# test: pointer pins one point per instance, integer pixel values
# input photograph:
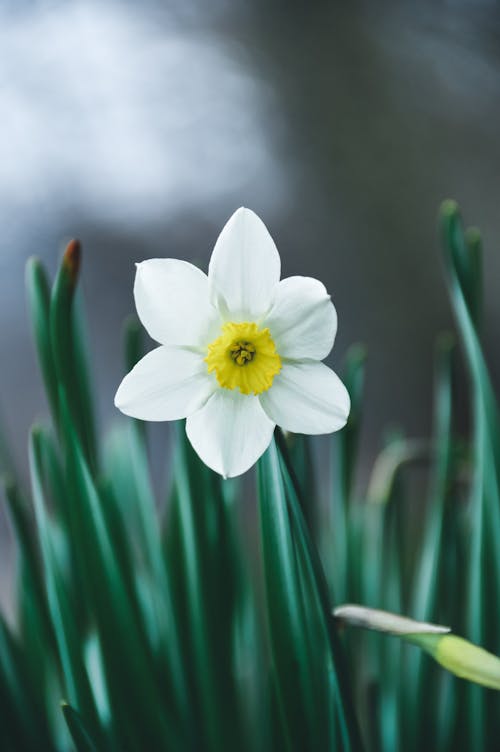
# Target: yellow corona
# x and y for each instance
(244, 357)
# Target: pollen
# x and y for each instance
(244, 357)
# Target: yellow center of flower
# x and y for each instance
(244, 357)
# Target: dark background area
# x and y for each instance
(140, 127)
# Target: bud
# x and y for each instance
(462, 658)
(384, 621)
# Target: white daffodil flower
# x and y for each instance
(240, 350)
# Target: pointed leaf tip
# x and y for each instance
(71, 259)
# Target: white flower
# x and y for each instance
(240, 351)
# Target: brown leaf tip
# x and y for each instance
(71, 258)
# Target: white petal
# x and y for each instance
(307, 398)
(172, 301)
(244, 268)
(167, 384)
(302, 320)
(230, 432)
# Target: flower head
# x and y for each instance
(240, 350)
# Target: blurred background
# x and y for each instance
(140, 127)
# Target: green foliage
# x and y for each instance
(162, 627)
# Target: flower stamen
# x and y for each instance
(244, 357)
(242, 353)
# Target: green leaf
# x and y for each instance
(61, 612)
(345, 448)
(301, 456)
(38, 299)
(202, 558)
(431, 589)
(66, 336)
(318, 604)
(354, 379)
(297, 596)
(78, 730)
(106, 564)
(286, 620)
(462, 255)
(133, 340)
(22, 712)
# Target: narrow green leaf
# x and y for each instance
(108, 583)
(38, 299)
(435, 546)
(33, 580)
(133, 341)
(345, 447)
(297, 595)
(301, 455)
(462, 255)
(354, 379)
(473, 241)
(319, 603)
(61, 613)
(68, 349)
(202, 560)
(425, 587)
(78, 730)
(283, 596)
(22, 712)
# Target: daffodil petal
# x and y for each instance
(167, 384)
(230, 432)
(307, 398)
(244, 268)
(302, 320)
(172, 301)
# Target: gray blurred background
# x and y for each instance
(139, 127)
